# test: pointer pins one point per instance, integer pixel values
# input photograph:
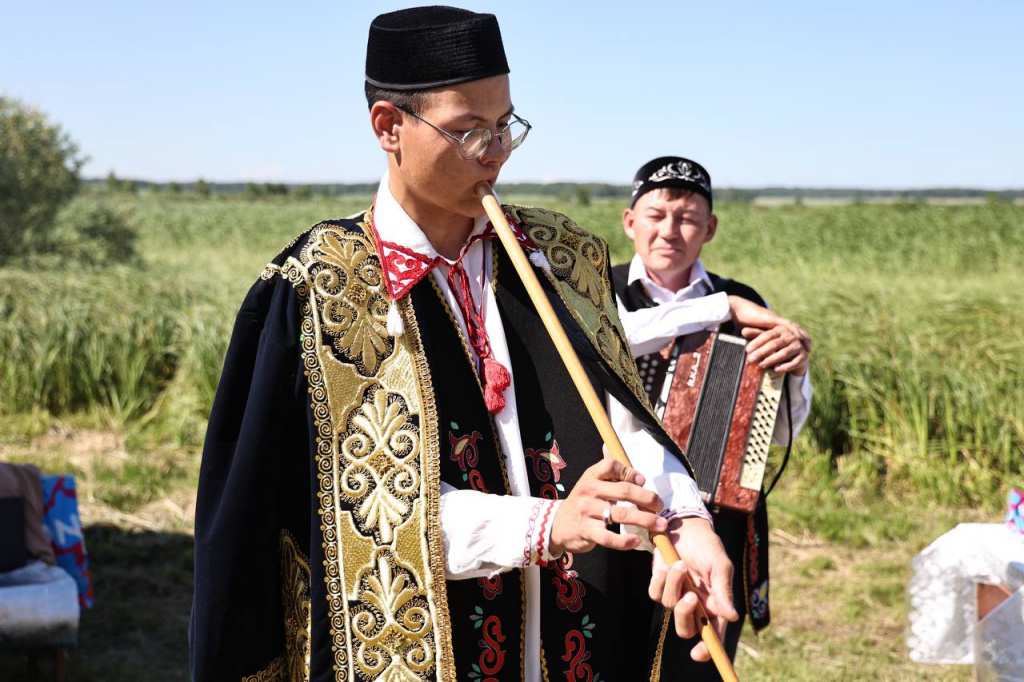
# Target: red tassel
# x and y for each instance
(496, 380)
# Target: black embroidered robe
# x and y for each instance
(319, 553)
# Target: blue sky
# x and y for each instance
(825, 94)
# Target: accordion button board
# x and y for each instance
(722, 408)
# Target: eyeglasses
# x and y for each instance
(474, 143)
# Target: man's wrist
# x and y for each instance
(678, 514)
(540, 549)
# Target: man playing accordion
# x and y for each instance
(665, 293)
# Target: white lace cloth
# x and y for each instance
(38, 606)
(999, 641)
(943, 616)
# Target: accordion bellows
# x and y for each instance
(720, 408)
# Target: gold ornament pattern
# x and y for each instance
(611, 343)
(580, 272)
(297, 614)
(374, 415)
(660, 651)
(379, 446)
(390, 619)
(272, 673)
(352, 298)
(270, 271)
(576, 256)
(377, 441)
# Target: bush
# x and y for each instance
(39, 165)
(95, 235)
(582, 195)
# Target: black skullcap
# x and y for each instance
(427, 47)
(671, 171)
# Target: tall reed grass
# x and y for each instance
(918, 364)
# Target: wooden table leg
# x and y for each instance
(60, 658)
(988, 596)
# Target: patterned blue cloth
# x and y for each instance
(60, 516)
(1015, 511)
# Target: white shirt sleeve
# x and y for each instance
(648, 330)
(486, 534)
(800, 393)
(664, 474)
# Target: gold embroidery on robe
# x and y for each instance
(659, 652)
(580, 273)
(270, 271)
(377, 440)
(297, 615)
(273, 672)
(351, 298)
(379, 486)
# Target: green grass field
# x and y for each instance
(918, 418)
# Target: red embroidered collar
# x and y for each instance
(404, 268)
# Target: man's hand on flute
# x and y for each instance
(710, 571)
(583, 517)
(582, 521)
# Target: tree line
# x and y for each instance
(580, 192)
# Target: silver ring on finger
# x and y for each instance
(606, 515)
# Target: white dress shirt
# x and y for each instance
(484, 533)
(692, 309)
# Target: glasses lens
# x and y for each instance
(474, 144)
(516, 133)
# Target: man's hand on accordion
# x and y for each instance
(775, 342)
(746, 313)
(710, 571)
(785, 347)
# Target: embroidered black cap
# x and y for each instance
(428, 47)
(671, 171)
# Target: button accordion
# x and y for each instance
(721, 408)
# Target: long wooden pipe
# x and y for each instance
(595, 406)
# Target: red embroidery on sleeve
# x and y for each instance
(545, 520)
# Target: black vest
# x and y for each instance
(592, 604)
(745, 536)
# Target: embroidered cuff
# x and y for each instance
(536, 550)
(668, 514)
(687, 512)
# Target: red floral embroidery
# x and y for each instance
(533, 550)
(528, 545)
(544, 523)
(492, 658)
(546, 463)
(467, 456)
(566, 581)
(464, 449)
(491, 587)
(476, 481)
(576, 655)
(404, 267)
